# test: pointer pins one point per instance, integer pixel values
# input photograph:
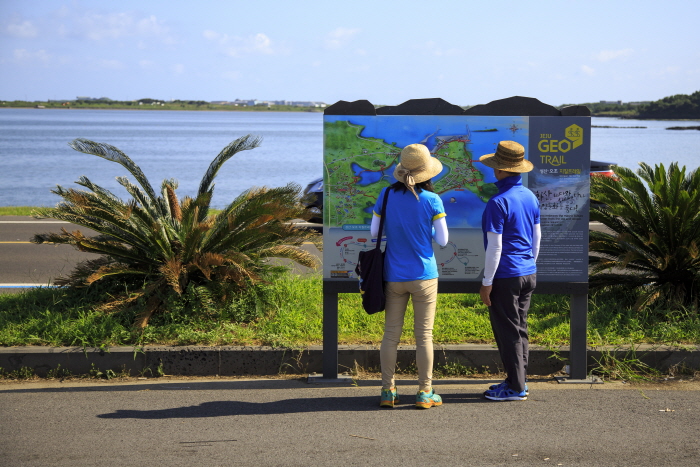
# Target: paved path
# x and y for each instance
(25, 263)
(292, 423)
(22, 262)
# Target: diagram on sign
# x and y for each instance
(345, 250)
(459, 258)
(350, 248)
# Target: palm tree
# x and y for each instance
(169, 244)
(654, 247)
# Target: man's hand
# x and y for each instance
(485, 293)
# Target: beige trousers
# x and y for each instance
(424, 296)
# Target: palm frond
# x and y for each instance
(113, 154)
(243, 143)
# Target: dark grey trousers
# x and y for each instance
(510, 300)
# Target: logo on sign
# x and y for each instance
(557, 148)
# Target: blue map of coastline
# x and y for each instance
(463, 207)
(368, 177)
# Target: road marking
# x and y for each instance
(304, 243)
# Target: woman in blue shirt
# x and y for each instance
(415, 216)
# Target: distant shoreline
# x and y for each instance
(173, 107)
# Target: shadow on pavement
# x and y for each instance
(287, 406)
(214, 385)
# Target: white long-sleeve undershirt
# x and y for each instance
(536, 237)
(440, 234)
(494, 247)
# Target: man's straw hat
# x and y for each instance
(509, 156)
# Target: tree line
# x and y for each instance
(679, 106)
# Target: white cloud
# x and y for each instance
(100, 27)
(152, 27)
(25, 55)
(23, 30)
(235, 46)
(665, 72)
(147, 64)
(339, 37)
(587, 70)
(112, 64)
(608, 55)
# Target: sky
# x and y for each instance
(466, 52)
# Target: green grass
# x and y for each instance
(16, 210)
(292, 317)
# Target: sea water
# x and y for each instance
(35, 156)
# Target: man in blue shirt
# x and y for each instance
(511, 226)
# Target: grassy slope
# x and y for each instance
(294, 318)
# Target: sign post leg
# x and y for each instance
(578, 351)
(330, 335)
(579, 325)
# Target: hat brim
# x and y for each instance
(489, 161)
(434, 168)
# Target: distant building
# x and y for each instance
(259, 103)
(308, 104)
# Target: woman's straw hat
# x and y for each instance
(416, 164)
(509, 156)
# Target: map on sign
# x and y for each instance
(360, 155)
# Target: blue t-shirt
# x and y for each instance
(513, 212)
(408, 227)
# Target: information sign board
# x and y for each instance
(361, 152)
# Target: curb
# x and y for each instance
(262, 361)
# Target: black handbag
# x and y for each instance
(370, 270)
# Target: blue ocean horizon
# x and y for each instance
(181, 144)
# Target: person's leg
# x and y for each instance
(396, 301)
(527, 287)
(506, 319)
(424, 297)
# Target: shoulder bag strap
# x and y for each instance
(381, 220)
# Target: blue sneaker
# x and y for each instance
(425, 400)
(389, 398)
(504, 393)
(496, 386)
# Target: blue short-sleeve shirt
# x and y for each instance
(408, 227)
(513, 213)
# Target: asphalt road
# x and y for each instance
(292, 423)
(26, 263)
(23, 262)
